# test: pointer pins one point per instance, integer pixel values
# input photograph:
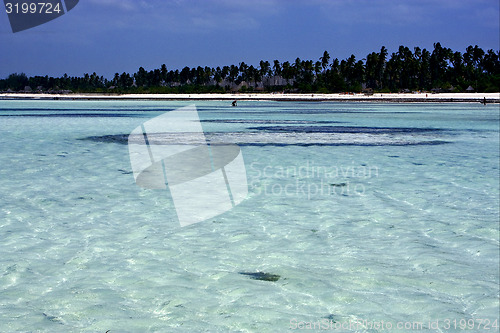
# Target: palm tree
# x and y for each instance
(297, 66)
(406, 68)
(116, 80)
(253, 74)
(307, 71)
(287, 71)
(225, 72)
(371, 76)
(140, 77)
(265, 68)
(317, 68)
(243, 72)
(380, 70)
(233, 73)
(185, 75)
(439, 64)
(218, 75)
(491, 62)
(163, 72)
(457, 72)
(276, 68)
(324, 60)
(424, 74)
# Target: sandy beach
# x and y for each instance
(401, 98)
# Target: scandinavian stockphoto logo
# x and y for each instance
(26, 14)
(171, 152)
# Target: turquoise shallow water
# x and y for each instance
(368, 213)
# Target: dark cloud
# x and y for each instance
(108, 36)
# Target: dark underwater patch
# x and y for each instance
(123, 139)
(112, 138)
(270, 121)
(76, 115)
(325, 111)
(53, 319)
(262, 276)
(83, 110)
(345, 129)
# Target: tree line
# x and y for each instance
(405, 70)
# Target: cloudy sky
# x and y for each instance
(108, 36)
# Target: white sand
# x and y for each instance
(409, 97)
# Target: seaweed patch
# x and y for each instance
(338, 184)
(262, 276)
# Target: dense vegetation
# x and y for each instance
(405, 70)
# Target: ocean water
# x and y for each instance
(360, 217)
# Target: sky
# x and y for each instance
(116, 36)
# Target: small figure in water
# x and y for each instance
(484, 101)
(235, 103)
